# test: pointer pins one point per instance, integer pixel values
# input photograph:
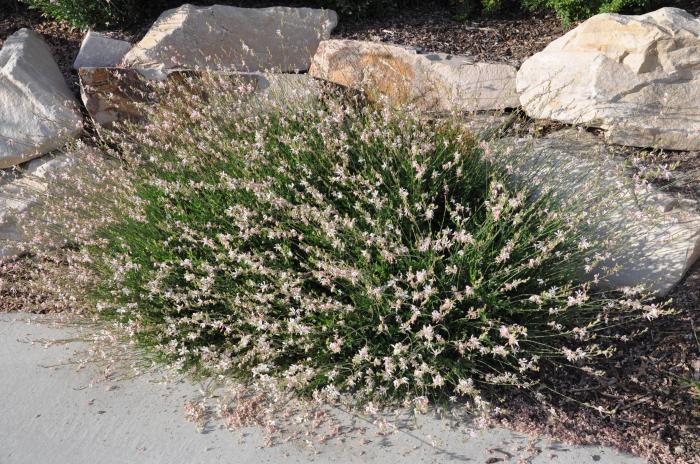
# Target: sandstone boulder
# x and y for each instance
(432, 82)
(98, 50)
(113, 94)
(230, 38)
(637, 77)
(38, 113)
(654, 235)
(21, 190)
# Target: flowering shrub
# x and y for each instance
(337, 248)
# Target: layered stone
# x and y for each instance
(99, 50)
(431, 82)
(38, 112)
(637, 77)
(115, 95)
(229, 38)
(21, 190)
(653, 235)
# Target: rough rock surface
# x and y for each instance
(637, 77)
(231, 38)
(434, 82)
(656, 235)
(110, 94)
(21, 190)
(98, 50)
(37, 111)
(114, 94)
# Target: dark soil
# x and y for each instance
(652, 384)
(511, 39)
(23, 285)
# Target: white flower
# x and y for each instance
(427, 332)
(651, 311)
(499, 350)
(465, 387)
(336, 345)
(573, 356)
(399, 382)
(421, 403)
(399, 349)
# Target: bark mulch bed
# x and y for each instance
(25, 285)
(652, 384)
(510, 39)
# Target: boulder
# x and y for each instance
(654, 235)
(637, 77)
(98, 50)
(113, 94)
(221, 37)
(21, 190)
(433, 82)
(288, 89)
(38, 112)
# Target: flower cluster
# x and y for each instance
(338, 248)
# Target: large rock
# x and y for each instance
(99, 50)
(637, 77)
(113, 94)
(230, 38)
(434, 82)
(37, 111)
(654, 235)
(20, 191)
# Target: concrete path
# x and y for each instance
(52, 415)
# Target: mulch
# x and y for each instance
(510, 39)
(647, 381)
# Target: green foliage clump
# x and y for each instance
(334, 249)
(574, 10)
(86, 13)
(567, 10)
